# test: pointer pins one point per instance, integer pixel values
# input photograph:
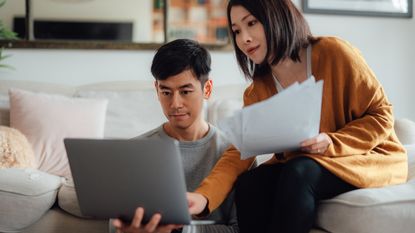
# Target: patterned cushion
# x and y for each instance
(15, 150)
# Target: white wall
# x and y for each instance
(388, 47)
(386, 43)
(76, 67)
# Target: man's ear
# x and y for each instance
(156, 86)
(207, 89)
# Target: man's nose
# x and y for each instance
(176, 101)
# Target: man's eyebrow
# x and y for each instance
(161, 86)
(189, 85)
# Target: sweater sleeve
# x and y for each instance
(220, 181)
(363, 134)
(368, 114)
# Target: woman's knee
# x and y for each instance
(255, 179)
(301, 168)
(244, 181)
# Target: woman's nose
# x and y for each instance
(247, 38)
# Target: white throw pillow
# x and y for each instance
(130, 113)
(47, 119)
(25, 196)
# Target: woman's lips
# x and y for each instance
(252, 49)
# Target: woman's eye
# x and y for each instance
(252, 23)
(236, 32)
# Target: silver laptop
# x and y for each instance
(114, 177)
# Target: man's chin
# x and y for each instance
(181, 126)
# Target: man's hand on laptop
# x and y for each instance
(136, 225)
(197, 203)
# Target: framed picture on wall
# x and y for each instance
(382, 8)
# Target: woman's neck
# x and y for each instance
(288, 71)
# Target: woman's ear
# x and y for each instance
(207, 89)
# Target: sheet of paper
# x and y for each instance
(279, 123)
(232, 128)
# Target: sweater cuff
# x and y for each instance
(209, 207)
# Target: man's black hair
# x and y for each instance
(179, 55)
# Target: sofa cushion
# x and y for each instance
(47, 119)
(15, 150)
(25, 195)
(68, 200)
(130, 113)
(380, 210)
(405, 130)
(58, 221)
(410, 149)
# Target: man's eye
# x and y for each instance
(186, 92)
(165, 93)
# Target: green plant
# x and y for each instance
(6, 34)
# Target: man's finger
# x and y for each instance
(138, 217)
(154, 222)
(117, 223)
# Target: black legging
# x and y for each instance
(283, 198)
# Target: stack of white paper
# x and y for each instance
(279, 123)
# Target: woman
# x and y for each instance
(356, 148)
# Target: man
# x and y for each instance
(181, 70)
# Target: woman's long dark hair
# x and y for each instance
(286, 32)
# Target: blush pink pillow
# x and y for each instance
(47, 119)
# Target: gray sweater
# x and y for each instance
(198, 158)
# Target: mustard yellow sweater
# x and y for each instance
(356, 114)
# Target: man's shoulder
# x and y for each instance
(220, 138)
(219, 133)
(154, 133)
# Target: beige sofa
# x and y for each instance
(35, 201)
